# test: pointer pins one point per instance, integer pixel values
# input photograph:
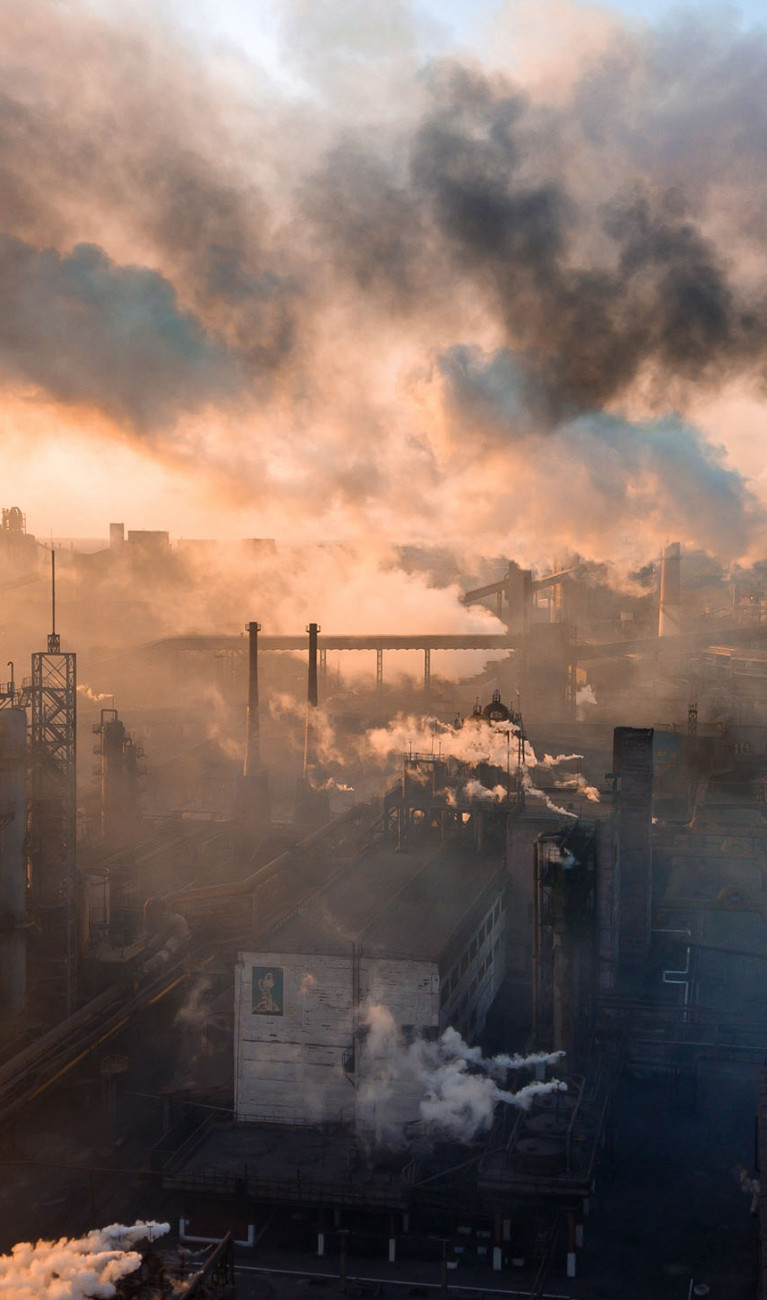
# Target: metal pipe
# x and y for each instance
(312, 701)
(252, 760)
(313, 696)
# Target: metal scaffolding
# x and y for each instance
(53, 820)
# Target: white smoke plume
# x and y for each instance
(578, 782)
(496, 1065)
(451, 1085)
(95, 696)
(477, 741)
(338, 786)
(194, 1010)
(86, 1268)
(476, 790)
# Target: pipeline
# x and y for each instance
(34, 1069)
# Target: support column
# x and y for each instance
(426, 671)
(379, 670)
(344, 1244)
(571, 1245)
(443, 1270)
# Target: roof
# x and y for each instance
(409, 904)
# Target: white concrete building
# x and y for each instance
(421, 934)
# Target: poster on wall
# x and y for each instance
(267, 991)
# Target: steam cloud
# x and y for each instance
(75, 1269)
(463, 287)
(455, 1087)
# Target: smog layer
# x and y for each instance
(515, 301)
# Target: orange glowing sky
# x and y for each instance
(317, 299)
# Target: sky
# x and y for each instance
(487, 274)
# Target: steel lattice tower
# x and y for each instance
(53, 821)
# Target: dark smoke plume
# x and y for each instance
(86, 330)
(395, 284)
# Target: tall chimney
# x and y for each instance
(312, 699)
(670, 612)
(252, 761)
(251, 806)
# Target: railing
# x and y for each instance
(297, 1190)
(217, 1271)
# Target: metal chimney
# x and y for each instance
(252, 798)
(312, 700)
(252, 762)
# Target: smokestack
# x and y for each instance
(252, 761)
(670, 612)
(252, 800)
(312, 700)
(312, 806)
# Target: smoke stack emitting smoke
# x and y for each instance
(463, 289)
(86, 1268)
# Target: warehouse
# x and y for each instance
(421, 934)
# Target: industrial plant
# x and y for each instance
(368, 977)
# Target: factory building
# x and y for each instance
(420, 933)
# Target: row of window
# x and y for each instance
(452, 981)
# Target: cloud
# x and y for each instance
(362, 295)
(88, 331)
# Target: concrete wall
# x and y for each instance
(300, 1050)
